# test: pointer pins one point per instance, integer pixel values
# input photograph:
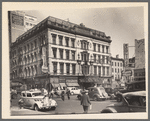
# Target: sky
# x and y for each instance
(123, 24)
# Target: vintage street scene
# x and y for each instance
(77, 61)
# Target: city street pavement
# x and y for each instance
(71, 106)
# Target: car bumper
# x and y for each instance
(47, 107)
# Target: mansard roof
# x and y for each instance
(61, 25)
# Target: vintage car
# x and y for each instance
(131, 87)
(74, 90)
(35, 100)
(96, 93)
(131, 102)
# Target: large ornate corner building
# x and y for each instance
(61, 53)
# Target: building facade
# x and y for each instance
(117, 70)
(59, 53)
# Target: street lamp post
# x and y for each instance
(79, 63)
(91, 63)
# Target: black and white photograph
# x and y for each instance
(74, 60)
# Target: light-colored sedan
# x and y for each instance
(35, 100)
(74, 90)
(131, 102)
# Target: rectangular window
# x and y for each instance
(67, 54)
(102, 48)
(107, 59)
(107, 71)
(72, 42)
(112, 63)
(81, 45)
(67, 41)
(95, 70)
(31, 46)
(54, 38)
(73, 55)
(115, 63)
(55, 68)
(68, 68)
(118, 70)
(103, 71)
(61, 68)
(98, 48)
(99, 58)
(28, 47)
(54, 52)
(112, 70)
(94, 45)
(107, 49)
(118, 63)
(115, 70)
(73, 69)
(95, 58)
(60, 40)
(121, 64)
(103, 59)
(99, 70)
(61, 53)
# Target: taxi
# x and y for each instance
(34, 99)
(131, 102)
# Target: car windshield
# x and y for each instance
(36, 94)
(136, 100)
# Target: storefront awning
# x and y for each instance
(72, 84)
(62, 84)
(55, 85)
(89, 79)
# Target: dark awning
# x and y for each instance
(89, 79)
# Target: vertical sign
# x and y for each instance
(44, 67)
(126, 54)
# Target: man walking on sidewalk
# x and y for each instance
(85, 101)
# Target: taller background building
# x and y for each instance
(19, 22)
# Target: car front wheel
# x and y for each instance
(36, 108)
(53, 108)
(95, 98)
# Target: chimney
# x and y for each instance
(117, 56)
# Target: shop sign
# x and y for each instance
(127, 73)
(71, 81)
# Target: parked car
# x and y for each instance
(96, 93)
(74, 90)
(131, 102)
(131, 87)
(35, 100)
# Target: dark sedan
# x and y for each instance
(131, 102)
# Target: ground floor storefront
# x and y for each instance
(58, 82)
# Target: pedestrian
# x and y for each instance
(68, 93)
(63, 95)
(85, 101)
